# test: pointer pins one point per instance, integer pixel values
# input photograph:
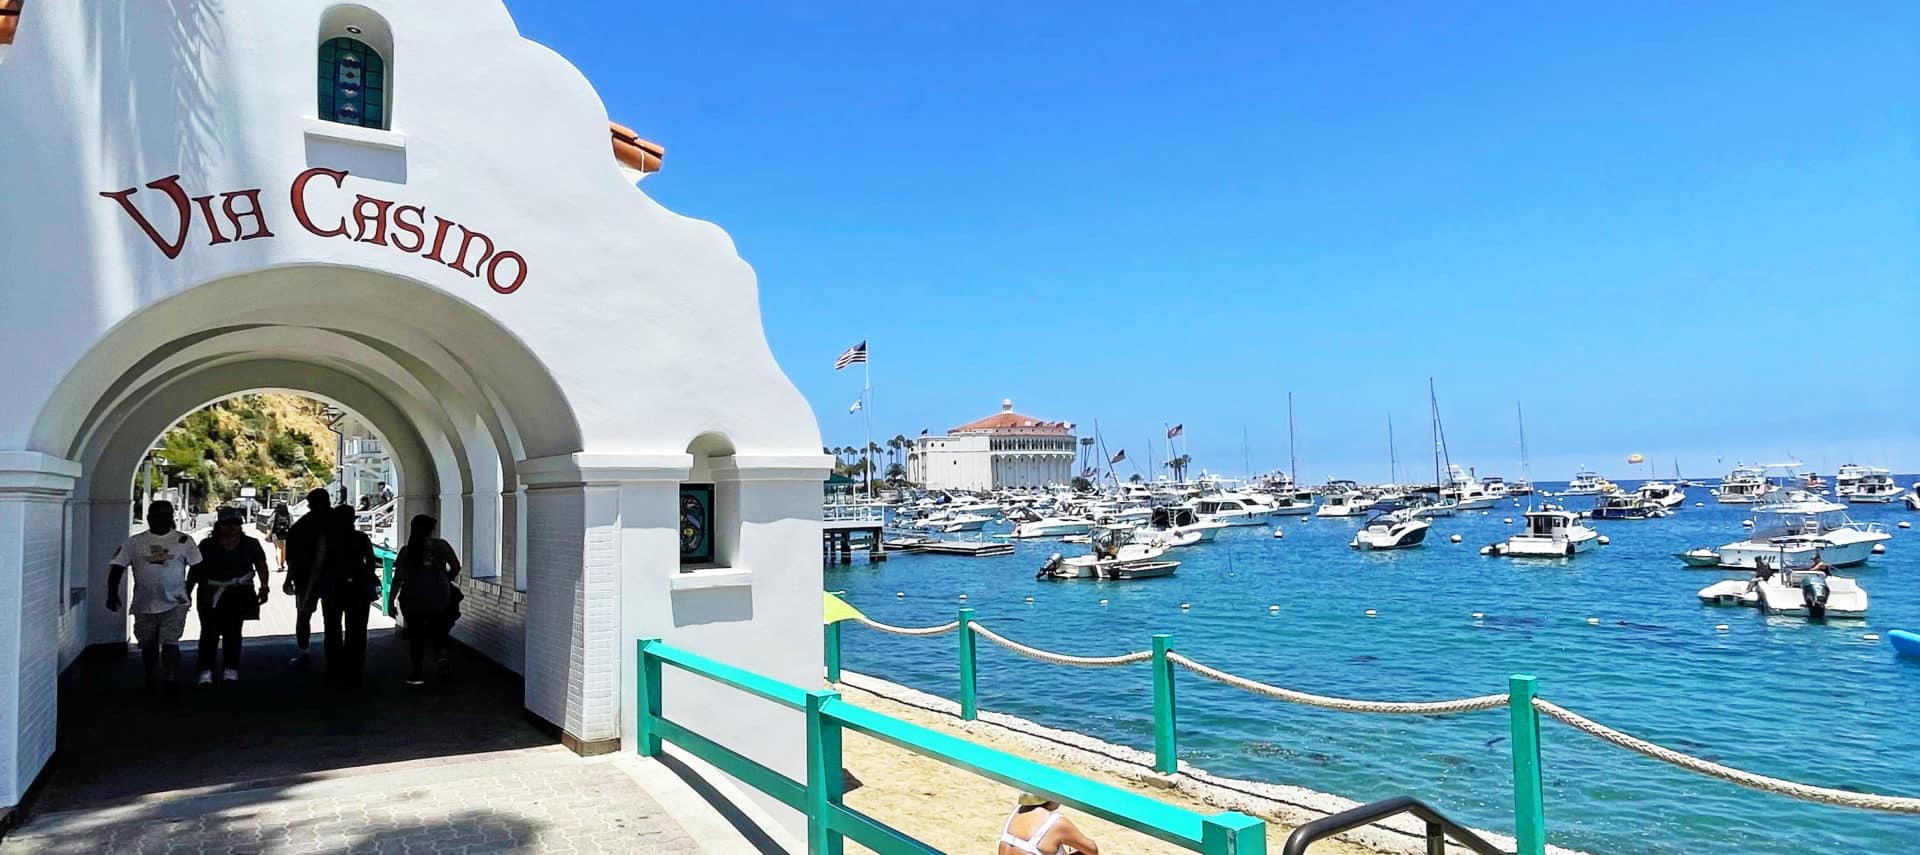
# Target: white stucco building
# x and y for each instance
(1006, 449)
(439, 239)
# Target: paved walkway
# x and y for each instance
(530, 800)
(282, 763)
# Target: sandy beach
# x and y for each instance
(960, 812)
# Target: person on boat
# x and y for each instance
(1820, 565)
(1037, 827)
(1762, 571)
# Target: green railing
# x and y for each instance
(1524, 721)
(1521, 701)
(830, 822)
(386, 557)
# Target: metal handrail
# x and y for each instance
(1439, 827)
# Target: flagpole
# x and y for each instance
(866, 394)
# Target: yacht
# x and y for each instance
(1234, 509)
(1551, 532)
(1178, 523)
(1913, 497)
(1847, 479)
(1397, 530)
(1813, 483)
(1496, 486)
(1588, 483)
(1522, 487)
(1051, 527)
(1791, 531)
(1874, 487)
(1351, 503)
(1466, 493)
(1743, 486)
(1669, 496)
(948, 522)
(1115, 555)
(1625, 506)
(1433, 508)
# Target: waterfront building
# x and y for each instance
(1006, 449)
(444, 239)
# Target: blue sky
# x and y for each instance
(1688, 231)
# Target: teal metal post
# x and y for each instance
(1165, 742)
(1232, 834)
(647, 682)
(1529, 814)
(386, 580)
(969, 703)
(824, 779)
(833, 652)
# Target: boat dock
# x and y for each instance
(842, 525)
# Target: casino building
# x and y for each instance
(403, 208)
(1006, 449)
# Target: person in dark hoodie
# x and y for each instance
(347, 581)
(303, 551)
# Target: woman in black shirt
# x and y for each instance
(231, 568)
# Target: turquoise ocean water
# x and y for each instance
(1781, 696)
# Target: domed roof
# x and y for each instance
(1008, 420)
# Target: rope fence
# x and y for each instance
(1134, 658)
(1461, 705)
(1807, 792)
(1524, 708)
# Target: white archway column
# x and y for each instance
(593, 521)
(34, 611)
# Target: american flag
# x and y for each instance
(1122, 455)
(854, 354)
(1089, 472)
(1176, 430)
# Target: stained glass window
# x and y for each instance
(353, 83)
(696, 523)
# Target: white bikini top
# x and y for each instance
(1031, 845)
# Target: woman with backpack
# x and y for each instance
(423, 575)
(277, 531)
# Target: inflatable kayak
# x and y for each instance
(1904, 642)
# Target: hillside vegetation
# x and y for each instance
(271, 441)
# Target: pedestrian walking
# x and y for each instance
(231, 583)
(277, 530)
(347, 583)
(159, 558)
(423, 575)
(304, 537)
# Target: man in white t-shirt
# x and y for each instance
(159, 557)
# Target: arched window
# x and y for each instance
(353, 83)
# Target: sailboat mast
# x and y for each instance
(1433, 408)
(1293, 458)
(1521, 416)
(1246, 454)
(1393, 453)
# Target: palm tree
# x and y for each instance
(1135, 478)
(1086, 449)
(1179, 467)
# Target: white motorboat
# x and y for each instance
(1913, 497)
(1051, 527)
(1430, 509)
(1791, 532)
(1745, 485)
(1550, 532)
(1234, 509)
(1661, 493)
(1625, 506)
(1466, 493)
(1169, 538)
(1176, 524)
(1351, 503)
(1874, 487)
(1496, 486)
(1116, 555)
(948, 522)
(1588, 483)
(1397, 530)
(1814, 595)
(1847, 479)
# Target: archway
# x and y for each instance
(457, 399)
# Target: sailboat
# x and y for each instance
(1439, 506)
(1524, 486)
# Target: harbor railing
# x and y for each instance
(820, 797)
(1522, 702)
